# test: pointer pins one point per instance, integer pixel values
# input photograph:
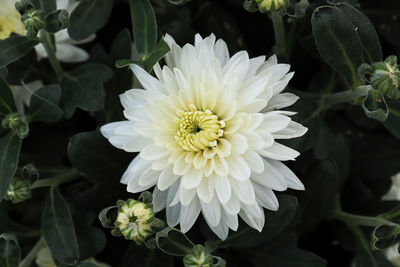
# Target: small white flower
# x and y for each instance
(206, 129)
(394, 191)
(23, 94)
(66, 51)
(392, 254)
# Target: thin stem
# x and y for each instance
(51, 54)
(56, 180)
(26, 262)
(279, 31)
(362, 220)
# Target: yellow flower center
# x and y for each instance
(10, 21)
(199, 130)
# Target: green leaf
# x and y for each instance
(83, 88)
(122, 63)
(56, 21)
(104, 219)
(159, 52)
(144, 26)
(15, 47)
(275, 222)
(374, 106)
(10, 146)
(283, 252)
(3, 72)
(7, 104)
(44, 104)
(88, 17)
(173, 242)
(392, 123)
(58, 229)
(10, 254)
(104, 167)
(370, 43)
(337, 42)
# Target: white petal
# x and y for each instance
(254, 161)
(148, 82)
(189, 215)
(238, 167)
(149, 177)
(222, 188)
(279, 152)
(132, 97)
(273, 122)
(270, 177)
(211, 211)
(166, 179)
(135, 168)
(253, 215)
(205, 190)
(221, 51)
(108, 129)
(293, 130)
(136, 144)
(159, 199)
(237, 65)
(230, 220)
(238, 143)
(153, 152)
(233, 205)
(173, 212)
(221, 230)
(291, 178)
(192, 178)
(135, 187)
(281, 101)
(266, 197)
(70, 54)
(186, 195)
(244, 191)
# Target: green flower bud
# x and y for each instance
(17, 123)
(33, 20)
(198, 257)
(135, 220)
(272, 5)
(18, 191)
(386, 77)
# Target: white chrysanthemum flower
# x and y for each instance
(66, 50)
(394, 191)
(206, 129)
(10, 21)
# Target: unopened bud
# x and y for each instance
(18, 190)
(198, 257)
(272, 5)
(386, 77)
(17, 123)
(33, 20)
(136, 220)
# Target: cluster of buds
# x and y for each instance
(17, 123)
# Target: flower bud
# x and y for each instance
(18, 190)
(17, 123)
(136, 220)
(386, 77)
(33, 20)
(198, 257)
(272, 5)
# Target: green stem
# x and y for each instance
(279, 31)
(56, 180)
(51, 54)
(362, 220)
(26, 262)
